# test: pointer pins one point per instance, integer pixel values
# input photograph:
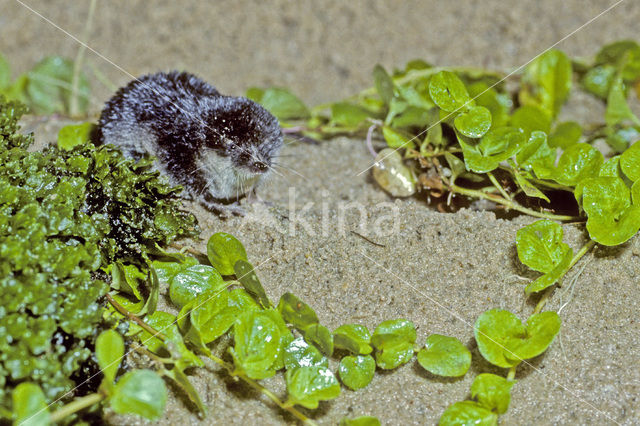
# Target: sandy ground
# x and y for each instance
(438, 270)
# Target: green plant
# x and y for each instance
(461, 132)
(67, 214)
(447, 130)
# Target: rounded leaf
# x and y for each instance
(307, 386)
(353, 337)
(223, 251)
(611, 218)
(356, 372)
(257, 344)
(541, 330)
(29, 405)
(474, 123)
(188, 283)
(630, 162)
(109, 352)
(295, 311)
(540, 245)
(493, 330)
(360, 421)
(301, 354)
(444, 356)
(468, 413)
(140, 392)
(493, 392)
(448, 91)
(393, 341)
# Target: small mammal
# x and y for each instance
(217, 147)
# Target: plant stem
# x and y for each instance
(545, 297)
(133, 317)
(257, 386)
(495, 183)
(75, 406)
(74, 107)
(512, 373)
(511, 204)
(188, 249)
(229, 367)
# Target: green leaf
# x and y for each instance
(468, 413)
(498, 104)
(140, 392)
(249, 280)
(415, 97)
(354, 338)
(396, 139)
(109, 352)
(551, 277)
(192, 281)
(610, 168)
(127, 278)
(301, 354)
(547, 82)
(630, 162)
(540, 245)
(166, 269)
(565, 134)
(296, 312)
(348, 115)
(412, 117)
(493, 392)
(598, 80)
(73, 135)
(444, 356)
(504, 341)
(393, 341)
(360, 421)
(474, 123)
(383, 83)
(280, 102)
(257, 345)
(183, 382)
(541, 330)
(618, 110)
(529, 188)
(165, 323)
(223, 251)
(448, 92)
(356, 372)
(307, 386)
(635, 193)
(496, 145)
(530, 118)
(211, 314)
(29, 405)
(576, 163)
(49, 86)
(611, 218)
(625, 55)
(319, 336)
(536, 150)
(199, 319)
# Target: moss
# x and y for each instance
(64, 216)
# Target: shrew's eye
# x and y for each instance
(244, 157)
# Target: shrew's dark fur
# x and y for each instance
(218, 147)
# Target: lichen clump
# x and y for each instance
(64, 216)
